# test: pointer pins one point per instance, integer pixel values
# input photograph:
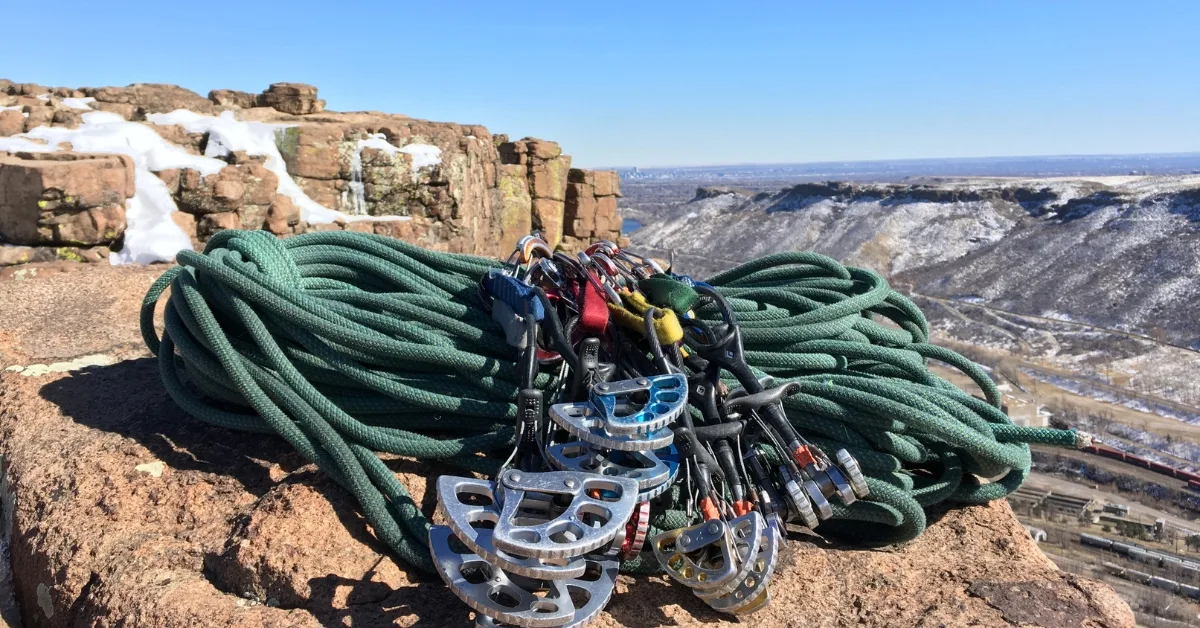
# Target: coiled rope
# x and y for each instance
(348, 345)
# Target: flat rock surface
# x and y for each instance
(128, 512)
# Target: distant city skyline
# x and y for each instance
(674, 83)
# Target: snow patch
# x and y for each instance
(79, 103)
(228, 134)
(423, 155)
(151, 235)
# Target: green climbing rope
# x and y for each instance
(350, 345)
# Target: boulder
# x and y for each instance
(29, 89)
(152, 98)
(126, 111)
(68, 118)
(246, 189)
(11, 255)
(176, 134)
(209, 224)
(282, 216)
(64, 197)
(232, 98)
(294, 98)
(12, 122)
(38, 116)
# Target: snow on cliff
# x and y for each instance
(151, 235)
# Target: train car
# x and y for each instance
(1189, 591)
(1095, 541)
(1164, 584)
(1121, 548)
(1140, 577)
(1192, 479)
(1140, 555)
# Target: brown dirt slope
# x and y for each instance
(126, 512)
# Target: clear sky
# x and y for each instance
(676, 83)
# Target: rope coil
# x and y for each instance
(348, 345)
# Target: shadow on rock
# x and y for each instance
(128, 399)
(338, 601)
(641, 605)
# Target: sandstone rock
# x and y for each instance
(64, 198)
(513, 152)
(237, 531)
(124, 110)
(516, 208)
(12, 122)
(606, 182)
(186, 222)
(247, 189)
(282, 216)
(94, 225)
(67, 118)
(29, 89)
(66, 92)
(11, 255)
(608, 219)
(312, 151)
(170, 177)
(294, 98)
(547, 218)
(175, 134)
(6, 86)
(153, 98)
(232, 98)
(548, 179)
(229, 191)
(209, 224)
(38, 116)
(542, 149)
(579, 175)
(579, 211)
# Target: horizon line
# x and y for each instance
(899, 159)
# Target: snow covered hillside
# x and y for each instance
(1118, 252)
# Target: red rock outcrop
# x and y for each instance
(295, 98)
(590, 212)
(152, 98)
(232, 98)
(484, 193)
(237, 197)
(547, 170)
(63, 198)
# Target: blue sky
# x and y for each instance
(678, 83)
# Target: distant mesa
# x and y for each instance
(713, 191)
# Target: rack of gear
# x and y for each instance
(640, 410)
(606, 413)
